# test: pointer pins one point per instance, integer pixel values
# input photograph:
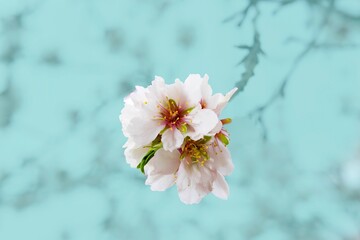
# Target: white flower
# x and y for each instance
(174, 135)
(167, 110)
(197, 168)
(200, 89)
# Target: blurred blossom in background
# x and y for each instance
(65, 67)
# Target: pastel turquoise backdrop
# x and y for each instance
(65, 67)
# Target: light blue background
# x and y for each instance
(67, 65)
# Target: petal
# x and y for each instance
(222, 158)
(202, 122)
(187, 190)
(176, 91)
(131, 110)
(156, 89)
(179, 94)
(161, 170)
(158, 82)
(160, 182)
(190, 195)
(220, 187)
(134, 156)
(216, 129)
(127, 114)
(137, 118)
(164, 162)
(193, 85)
(172, 139)
(206, 93)
(143, 130)
(223, 101)
(206, 89)
(133, 104)
(193, 182)
(213, 101)
(138, 97)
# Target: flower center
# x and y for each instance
(173, 115)
(195, 151)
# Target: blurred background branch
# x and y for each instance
(325, 8)
(66, 66)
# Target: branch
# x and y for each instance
(250, 61)
(280, 91)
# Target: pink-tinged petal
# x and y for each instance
(164, 162)
(161, 170)
(206, 90)
(222, 158)
(187, 188)
(206, 94)
(176, 91)
(190, 195)
(136, 106)
(213, 101)
(202, 122)
(193, 85)
(220, 187)
(160, 182)
(158, 82)
(134, 156)
(126, 116)
(172, 139)
(193, 182)
(157, 89)
(129, 144)
(143, 130)
(222, 102)
(138, 97)
(216, 129)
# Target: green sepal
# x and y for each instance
(226, 121)
(149, 155)
(223, 139)
(207, 138)
(204, 140)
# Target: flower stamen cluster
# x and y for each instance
(195, 151)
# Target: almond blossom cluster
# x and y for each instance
(175, 136)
